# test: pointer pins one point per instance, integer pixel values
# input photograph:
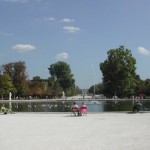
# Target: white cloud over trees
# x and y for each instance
(62, 56)
(21, 48)
(143, 51)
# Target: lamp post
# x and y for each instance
(93, 80)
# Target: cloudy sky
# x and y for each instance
(79, 32)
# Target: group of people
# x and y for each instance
(80, 110)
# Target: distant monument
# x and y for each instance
(10, 106)
(63, 95)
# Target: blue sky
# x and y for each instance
(79, 32)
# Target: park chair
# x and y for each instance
(83, 110)
(75, 112)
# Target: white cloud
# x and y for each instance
(67, 20)
(143, 51)
(62, 56)
(71, 29)
(21, 48)
(50, 18)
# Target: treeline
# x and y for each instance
(119, 76)
(14, 79)
(118, 70)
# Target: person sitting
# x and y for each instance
(5, 110)
(75, 108)
(137, 106)
(83, 108)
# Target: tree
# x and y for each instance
(99, 89)
(143, 88)
(6, 85)
(17, 73)
(51, 86)
(57, 89)
(37, 87)
(147, 85)
(119, 76)
(61, 72)
(78, 90)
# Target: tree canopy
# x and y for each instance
(37, 87)
(17, 72)
(62, 77)
(119, 72)
(6, 85)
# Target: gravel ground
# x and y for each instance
(62, 131)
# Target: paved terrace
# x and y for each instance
(61, 131)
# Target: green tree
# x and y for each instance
(57, 89)
(78, 91)
(6, 85)
(119, 76)
(51, 86)
(17, 73)
(147, 85)
(61, 72)
(143, 88)
(99, 89)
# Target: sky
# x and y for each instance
(78, 32)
